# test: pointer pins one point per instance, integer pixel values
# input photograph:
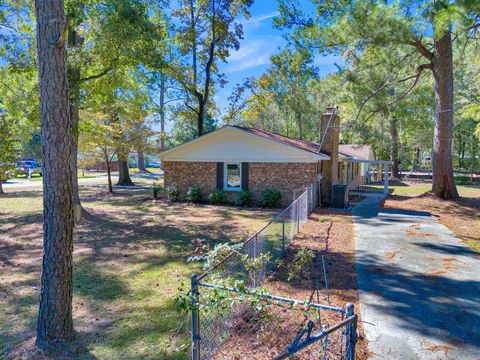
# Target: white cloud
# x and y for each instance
(253, 53)
(256, 21)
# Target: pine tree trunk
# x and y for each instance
(162, 111)
(141, 161)
(74, 96)
(55, 322)
(394, 147)
(443, 180)
(1, 187)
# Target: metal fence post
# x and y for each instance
(195, 318)
(351, 333)
(255, 275)
(297, 205)
(283, 235)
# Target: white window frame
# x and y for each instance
(225, 176)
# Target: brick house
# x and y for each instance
(235, 158)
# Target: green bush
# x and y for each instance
(173, 193)
(156, 188)
(462, 180)
(217, 197)
(271, 197)
(244, 198)
(194, 194)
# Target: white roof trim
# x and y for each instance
(305, 152)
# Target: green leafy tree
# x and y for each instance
(289, 75)
(9, 149)
(207, 31)
(351, 26)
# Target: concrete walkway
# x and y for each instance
(419, 286)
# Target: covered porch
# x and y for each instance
(367, 177)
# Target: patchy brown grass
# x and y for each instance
(129, 259)
(461, 216)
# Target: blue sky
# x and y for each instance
(260, 42)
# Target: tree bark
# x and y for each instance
(123, 172)
(442, 162)
(141, 161)
(109, 176)
(162, 111)
(298, 117)
(394, 147)
(200, 117)
(55, 322)
(74, 96)
(1, 187)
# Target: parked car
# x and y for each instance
(28, 167)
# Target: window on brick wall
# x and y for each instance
(232, 177)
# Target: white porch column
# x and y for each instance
(385, 179)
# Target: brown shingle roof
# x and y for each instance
(361, 152)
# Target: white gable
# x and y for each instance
(235, 145)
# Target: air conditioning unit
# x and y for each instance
(339, 196)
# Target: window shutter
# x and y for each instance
(245, 176)
(220, 175)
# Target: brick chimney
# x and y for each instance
(329, 139)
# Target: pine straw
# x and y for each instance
(461, 216)
(325, 233)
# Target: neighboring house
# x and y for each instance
(235, 158)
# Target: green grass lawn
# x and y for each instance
(129, 259)
(419, 188)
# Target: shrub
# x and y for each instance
(244, 198)
(462, 180)
(173, 193)
(217, 197)
(271, 197)
(194, 194)
(156, 188)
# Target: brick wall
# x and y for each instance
(285, 177)
(186, 174)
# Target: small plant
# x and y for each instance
(173, 193)
(462, 180)
(302, 258)
(217, 197)
(194, 194)
(216, 255)
(244, 198)
(271, 197)
(156, 188)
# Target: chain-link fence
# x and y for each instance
(234, 318)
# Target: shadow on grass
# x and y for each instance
(129, 259)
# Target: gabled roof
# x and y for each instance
(359, 152)
(346, 151)
(306, 145)
(275, 147)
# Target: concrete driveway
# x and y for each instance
(419, 286)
